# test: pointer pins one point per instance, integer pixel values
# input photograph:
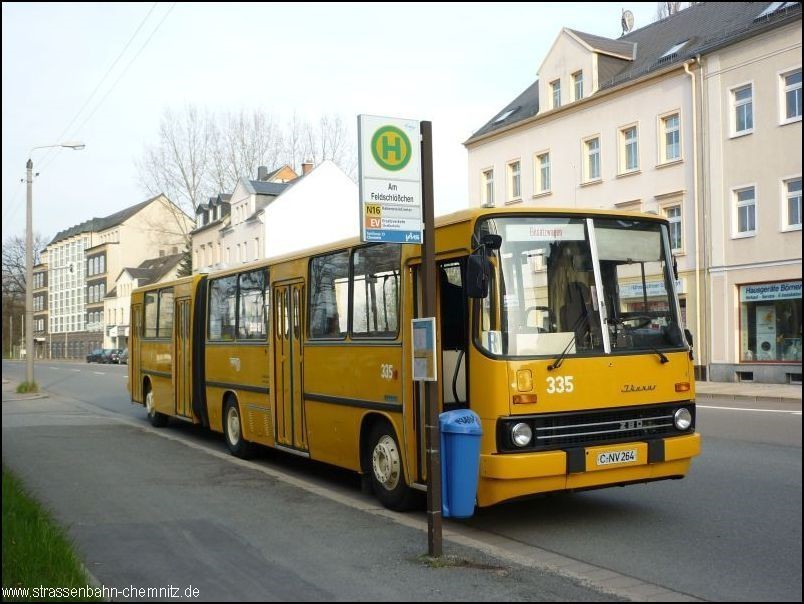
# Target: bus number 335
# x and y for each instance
(560, 385)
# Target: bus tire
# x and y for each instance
(158, 420)
(386, 470)
(233, 430)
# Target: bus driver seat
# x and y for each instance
(576, 314)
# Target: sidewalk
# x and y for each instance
(10, 393)
(746, 391)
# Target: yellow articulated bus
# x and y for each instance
(561, 329)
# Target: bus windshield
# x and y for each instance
(577, 286)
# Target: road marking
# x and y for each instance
(748, 409)
(98, 373)
(76, 370)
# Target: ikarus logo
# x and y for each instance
(391, 148)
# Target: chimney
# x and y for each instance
(307, 167)
(262, 173)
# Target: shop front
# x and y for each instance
(770, 332)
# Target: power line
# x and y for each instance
(102, 80)
(125, 70)
(122, 74)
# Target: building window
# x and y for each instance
(592, 163)
(543, 172)
(673, 214)
(555, 87)
(791, 82)
(671, 138)
(770, 322)
(514, 181)
(577, 84)
(746, 211)
(488, 188)
(743, 109)
(792, 209)
(630, 149)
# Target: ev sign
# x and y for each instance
(390, 179)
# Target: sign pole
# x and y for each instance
(433, 440)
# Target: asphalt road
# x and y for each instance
(731, 531)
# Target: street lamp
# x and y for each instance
(29, 341)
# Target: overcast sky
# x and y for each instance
(455, 65)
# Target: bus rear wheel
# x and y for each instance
(384, 466)
(233, 431)
(158, 420)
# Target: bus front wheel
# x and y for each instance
(158, 420)
(233, 431)
(384, 465)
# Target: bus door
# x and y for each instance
(453, 337)
(182, 368)
(289, 421)
(134, 353)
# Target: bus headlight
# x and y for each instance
(521, 434)
(682, 419)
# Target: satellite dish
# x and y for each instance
(627, 21)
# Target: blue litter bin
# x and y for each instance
(460, 462)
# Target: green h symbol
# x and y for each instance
(388, 148)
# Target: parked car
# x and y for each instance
(102, 355)
(114, 355)
(96, 356)
(123, 358)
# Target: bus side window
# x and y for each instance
(329, 289)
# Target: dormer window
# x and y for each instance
(774, 7)
(505, 114)
(672, 53)
(555, 87)
(577, 85)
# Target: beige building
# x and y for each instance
(622, 124)
(40, 309)
(751, 164)
(84, 260)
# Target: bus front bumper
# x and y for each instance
(512, 475)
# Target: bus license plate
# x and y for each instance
(613, 457)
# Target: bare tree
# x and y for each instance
(329, 140)
(13, 285)
(178, 164)
(14, 263)
(666, 9)
(199, 155)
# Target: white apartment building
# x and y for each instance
(621, 124)
(262, 219)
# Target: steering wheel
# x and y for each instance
(550, 318)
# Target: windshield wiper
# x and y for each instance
(560, 359)
(662, 357)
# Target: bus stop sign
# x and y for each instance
(389, 165)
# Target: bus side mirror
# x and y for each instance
(491, 242)
(478, 269)
(688, 335)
